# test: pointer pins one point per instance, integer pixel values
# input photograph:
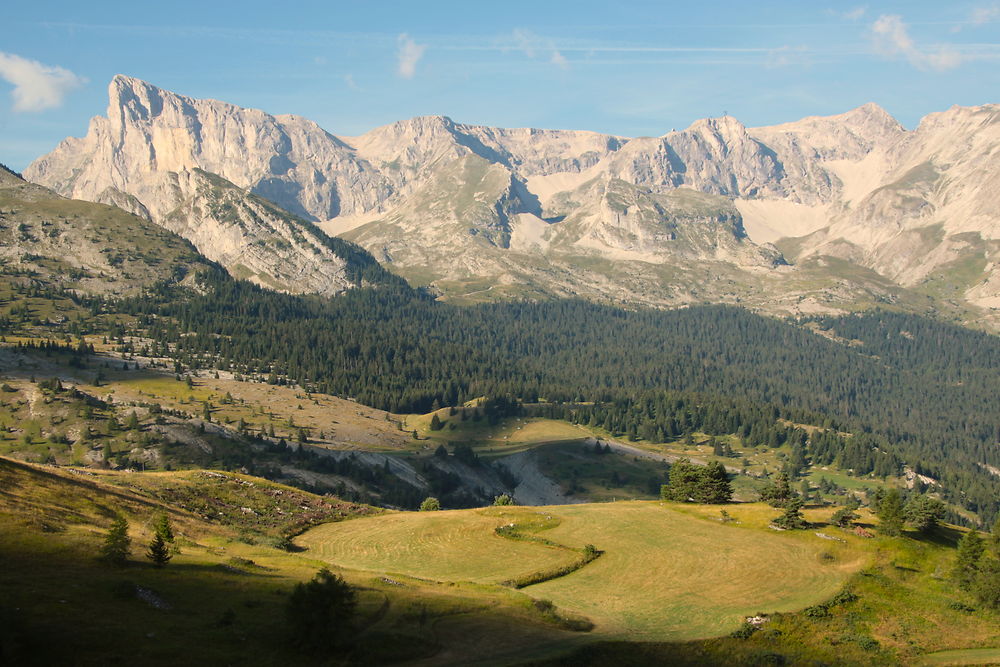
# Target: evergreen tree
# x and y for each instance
(714, 485)
(162, 527)
(792, 518)
(995, 537)
(924, 513)
(890, 513)
(970, 553)
(987, 583)
(777, 494)
(844, 517)
(132, 423)
(319, 613)
(436, 423)
(117, 543)
(158, 551)
(684, 479)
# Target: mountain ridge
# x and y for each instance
(837, 186)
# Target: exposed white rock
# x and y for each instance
(453, 204)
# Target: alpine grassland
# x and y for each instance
(665, 573)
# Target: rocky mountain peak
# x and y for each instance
(431, 195)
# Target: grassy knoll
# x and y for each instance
(900, 608)
(457, 545)
(508, 436)
(665, 573)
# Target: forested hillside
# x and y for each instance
(922, 391)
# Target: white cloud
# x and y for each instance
(351, 83)
(533, 46)
(409, 55)
(36, 86)
(982, 15)
(892, 39)
(855, 14)
(525, 41)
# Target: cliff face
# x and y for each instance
(197, 167)
(451, 204)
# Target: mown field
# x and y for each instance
(664, 574)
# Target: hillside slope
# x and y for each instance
(93, 248)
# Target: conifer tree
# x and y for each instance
(970, 553)
(792, 518)
(844, 517)
(924, 513)
(158, 551)
(714, 486)
(778, 493)
(162, 527)
(117, 543)
(890, 513)
(319, 612)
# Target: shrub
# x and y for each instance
(503, 499)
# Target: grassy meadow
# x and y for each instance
(664, 574)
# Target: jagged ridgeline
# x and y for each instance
(816, 216)
(925, 388)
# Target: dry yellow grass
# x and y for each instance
(456, 545)
(666, 572)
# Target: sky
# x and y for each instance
(625, 68)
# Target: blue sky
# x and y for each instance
(628, 68)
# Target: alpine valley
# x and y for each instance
(451, 394)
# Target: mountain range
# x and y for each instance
(818, 215)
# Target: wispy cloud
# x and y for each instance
(36, 86)
(351, 83)
(892, 39)
(982, 15)
(855, 14)
(535, 46)
(409, 55)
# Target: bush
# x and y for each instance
(430, 504)
(745, 631)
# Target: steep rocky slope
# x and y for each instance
(84, 246)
